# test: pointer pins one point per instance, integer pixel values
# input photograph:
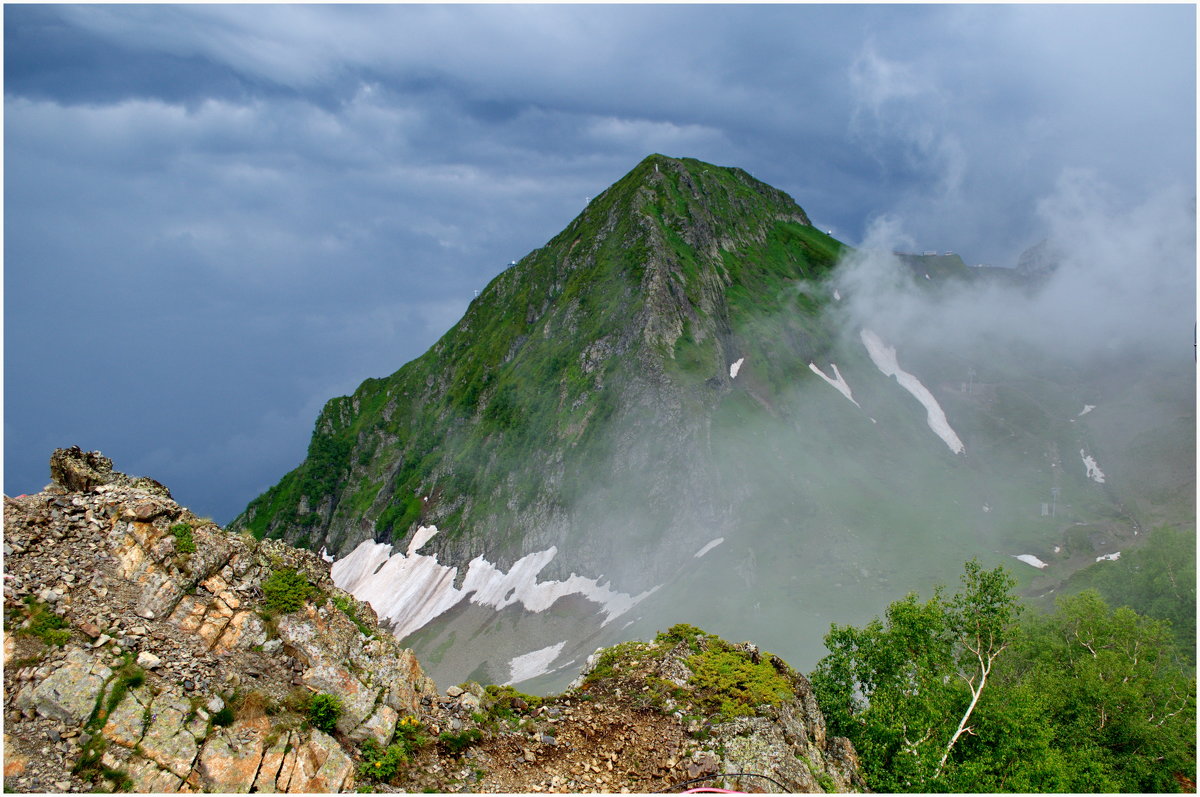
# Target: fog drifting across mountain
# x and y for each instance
(829, 508)
(826, 516)
(1126, 279)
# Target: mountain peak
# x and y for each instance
(564, 361)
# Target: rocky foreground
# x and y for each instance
(148, 650)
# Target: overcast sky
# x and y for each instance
(217, 217)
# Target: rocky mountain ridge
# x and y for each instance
(147, 649)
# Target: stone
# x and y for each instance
(148, 778)
(319, 765)
(380, 726)
(230, 758)
(148, 660)
(266, 782)
(77, 471)
(167, 741)
(69, 693)
(125, 722)
(454, 691)
(358, 700)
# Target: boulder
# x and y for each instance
(69, 694)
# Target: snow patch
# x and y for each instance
(1058, 549)
(424, 534)
(884, 357)
(837, 295)
(1086, 409)
(325, 555)
(533, 664)
(1109, 557)
(837, 381)
(708, 547)
(737, 366)
(1030, 559)
(411, 590)
(987, 508)
(1093, 470)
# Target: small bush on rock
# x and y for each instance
(381, 763)
(287, 591)
(184, 542)
(45, 624)
(457, 742)
(324, 710)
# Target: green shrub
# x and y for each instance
(45, 624)
(223, 717)
(410, 735)
(506, 701)
(287, 591)
(457, 742)
(184, 543)
(380, 763)
(731, 682)
(683, 632)
(324, 710)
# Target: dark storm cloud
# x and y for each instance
(219, 216)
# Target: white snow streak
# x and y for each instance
(708, 547)
(1086, 409)
(1109, 557)
(837, 294)
(1030, 559)
(737, 366)
(1093, 470)
(533, 664)
(424, 534)
(325, 554)
(414, 589)
(884, 357)
(837, 381)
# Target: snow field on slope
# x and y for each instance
(411, 590)
(884, 357)
(838, 381)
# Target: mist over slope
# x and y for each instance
(693, 406)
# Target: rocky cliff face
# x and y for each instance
(146, 649)
(168, 670)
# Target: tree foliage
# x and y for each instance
(905, 689)
(955, 694)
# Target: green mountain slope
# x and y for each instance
(640, 399)
(504, 423)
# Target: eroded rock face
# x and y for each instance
(167, 625)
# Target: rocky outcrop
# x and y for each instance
(163, 624)
(148, 650)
